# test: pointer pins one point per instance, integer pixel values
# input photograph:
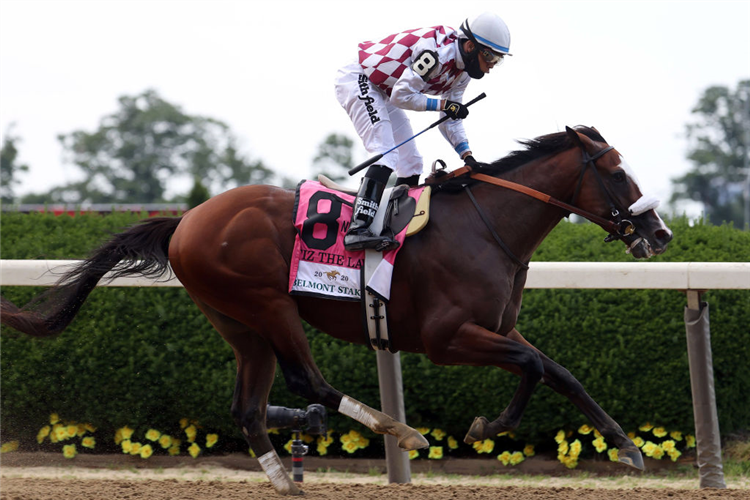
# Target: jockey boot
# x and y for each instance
(412, 181)
(359, 236)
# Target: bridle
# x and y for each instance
(617, 226)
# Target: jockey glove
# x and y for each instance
(456, 110)
(470, 161)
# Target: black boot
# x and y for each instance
(359, 236)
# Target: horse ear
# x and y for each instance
(574, 137)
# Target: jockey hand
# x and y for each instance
(471, 162)
(455, 110)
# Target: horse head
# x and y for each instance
(608, 188)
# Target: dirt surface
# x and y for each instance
(48, 476)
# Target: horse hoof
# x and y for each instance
(413, 440)
(476, 431)
(631, 457)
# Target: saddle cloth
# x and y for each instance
(320, 266)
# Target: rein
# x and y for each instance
(617, 229)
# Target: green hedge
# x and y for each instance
(148, 357)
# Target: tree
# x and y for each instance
(719, 151)
(9, 167)
(334, 158)
(144, 144)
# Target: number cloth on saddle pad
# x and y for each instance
(320, 265)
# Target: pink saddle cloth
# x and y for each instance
(320, 266)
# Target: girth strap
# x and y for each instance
(492, 230)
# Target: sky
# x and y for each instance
(632, 69)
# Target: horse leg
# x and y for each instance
(304, 379)
(563, 382)
(474, 345)
(256, 365)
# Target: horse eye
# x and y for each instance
(619, 177)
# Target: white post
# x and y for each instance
(392, 404)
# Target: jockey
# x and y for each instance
(396, 74)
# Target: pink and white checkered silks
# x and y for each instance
(320, 266)
(399, 73)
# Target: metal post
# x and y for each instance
(392, 404)
(706, 418)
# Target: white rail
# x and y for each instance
(652, 275)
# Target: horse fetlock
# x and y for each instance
(274, 469)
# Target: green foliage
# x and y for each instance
(334, 158)
(148, 357)
(198, 194)
(9, 167)
(134, 151)
(718, 150)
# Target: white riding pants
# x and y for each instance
(379, 124)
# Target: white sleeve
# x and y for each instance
(407, 91)
(453, 130)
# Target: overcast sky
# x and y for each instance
(632, 69)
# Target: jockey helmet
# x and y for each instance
(489, 31)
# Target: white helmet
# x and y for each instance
(489, 30)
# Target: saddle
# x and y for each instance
(402, 210)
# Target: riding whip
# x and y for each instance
(377, 157)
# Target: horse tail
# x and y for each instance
(143, 250)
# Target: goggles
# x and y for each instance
(491, 57)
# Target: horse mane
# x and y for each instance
(536, 148)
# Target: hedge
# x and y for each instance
(147, 357)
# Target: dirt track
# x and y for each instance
(170, 489)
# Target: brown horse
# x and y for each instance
(232, 254)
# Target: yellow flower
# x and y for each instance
(658, 453)
(322, 449)
(194, 450)
(306, 438)
(350, 447)
(176, 442)
(452, 443)
(599, 444)
(613, 454)
(575, 448)
(631, 435)
(645, 427)
(585, 429)
(413, 454)
(43, 433)
(118, 436)
(211, 440)
(251, 452)
(676, 435)
(80, 430)
(61, 433)
(563, 448)
(69, 451)
(288, 446)
(126, 445)
(146, 451)
(191, 432)
(598, 434)
(135, 448)
(423, 430)
(88, 442)
(272, 430)
(529, 450)
(516, 458)
(504, 457)
(668, 445)
(54, 418)
(153, 435)
(89, 428)
(638, 441)
(165, 441)
(126, 432)
(174, 450)
(184, 423)
(690, 441)
(72, 431)
(649, 448)
(438, 434)
(9, 447)
(560, 436)
(436, 452)
(569, 462)
(674, 455)
(659, 432)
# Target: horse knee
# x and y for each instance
(563, 382)
(532, 366)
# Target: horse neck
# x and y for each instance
(526, 221)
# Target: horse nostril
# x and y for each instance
(663, 236)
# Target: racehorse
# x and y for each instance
(232, 255)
